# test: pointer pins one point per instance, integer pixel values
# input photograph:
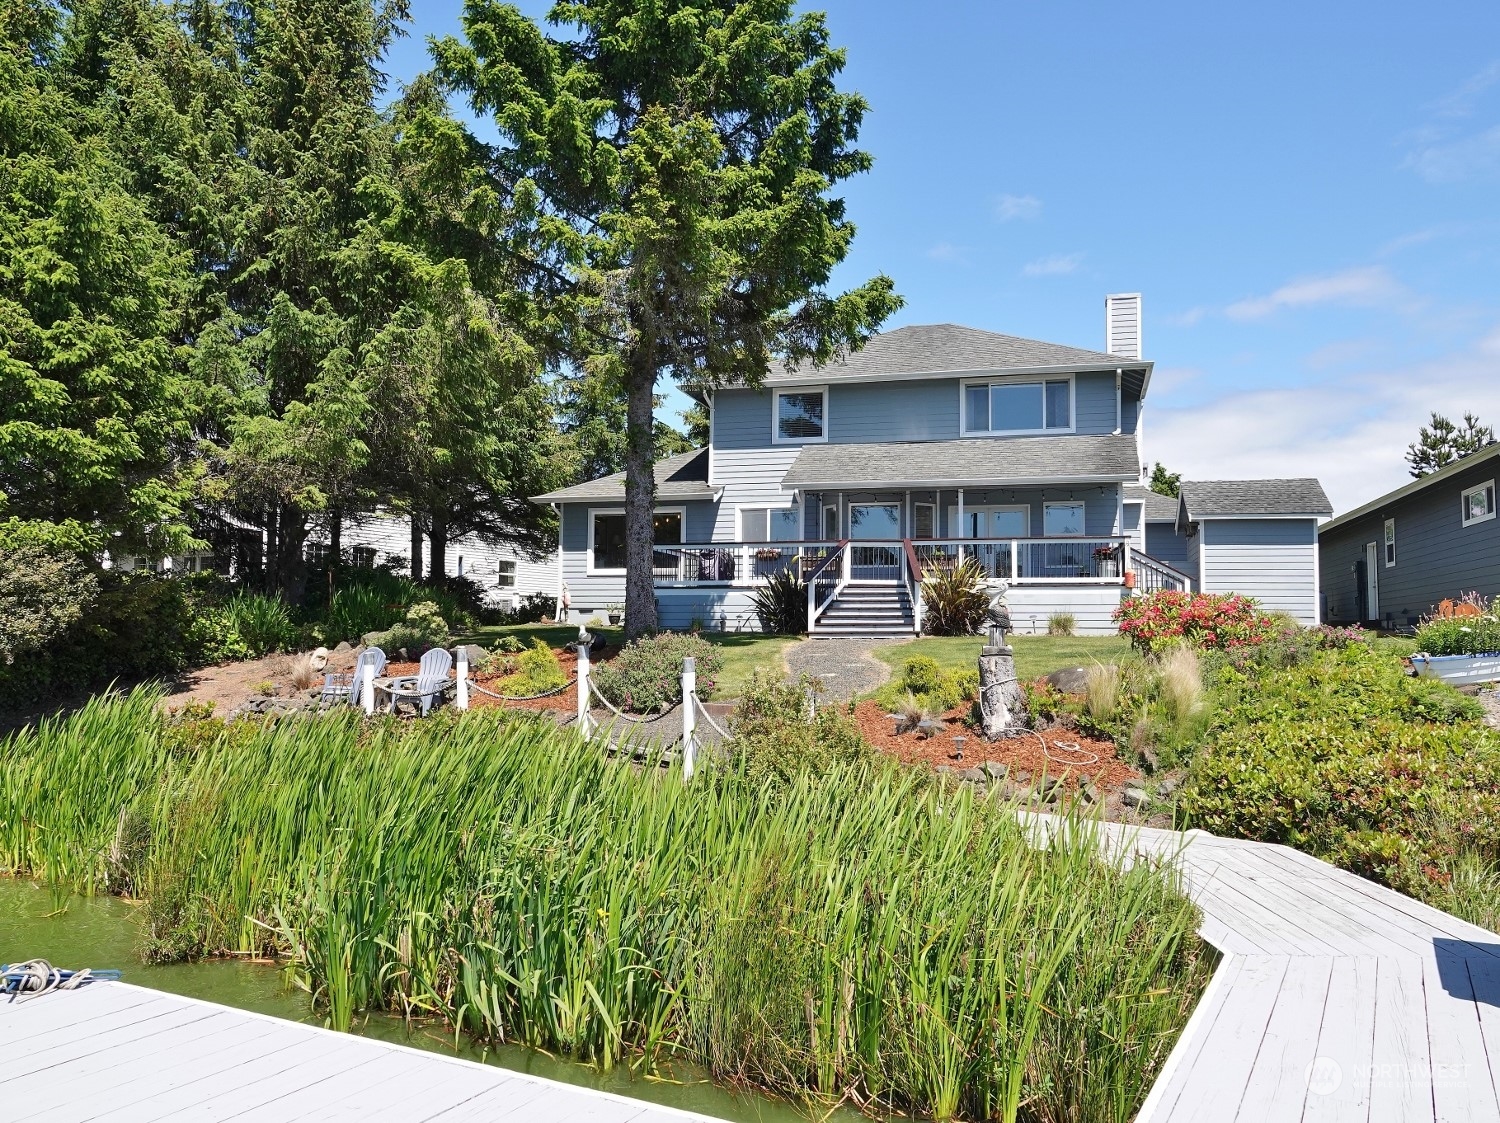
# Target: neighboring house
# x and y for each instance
(1391, 561)
(506, 575)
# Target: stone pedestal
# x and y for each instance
(1002, 705)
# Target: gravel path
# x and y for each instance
(1490, 700)
(844, 666)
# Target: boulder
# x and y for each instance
(1136, 799)
(1070, 680)
(1168, 785)
(473, 653)
(995, 770)
(318, 658)
(371, 639)
(973, 775)
(343, 648)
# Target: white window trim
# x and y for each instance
(1468, 491)
(989, 508)
(1020, 380)
(739, 522)
(776, 437)
(838, 509)
(876, 503)
(1388, 543)
(593, 570)
(500, 574)
(933, 507)
(1066, 503)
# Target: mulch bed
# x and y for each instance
(1020, 754)
(564, 701)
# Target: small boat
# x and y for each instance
(1459, 668)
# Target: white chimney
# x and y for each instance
(1122, 324)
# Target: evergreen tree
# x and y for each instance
(1442, 442)
(1164, 482)
(682, 154)
(92, 427)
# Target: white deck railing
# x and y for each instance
(1093, 559)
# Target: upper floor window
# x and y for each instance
(801, 416)
(1479, 503)
(1018, 407)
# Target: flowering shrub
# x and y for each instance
(646, 677)
(1204, 620)
(1477, 634)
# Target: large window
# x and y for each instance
(770, 524)
(801, 416)
(1479, 503)
(1062, 519)
(1018, 407)
(607, 537)
(505, 574)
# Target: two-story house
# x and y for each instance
(931, 444)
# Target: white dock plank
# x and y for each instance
(1346, 1039)
(1462, 1086)
(1278, 1077)
(1400, 1073)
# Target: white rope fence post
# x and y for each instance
(461, 698)
(689, 723)
(584, 720)
(367, 690)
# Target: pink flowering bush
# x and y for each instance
(1208, 621)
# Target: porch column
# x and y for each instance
(907, 516)
(962, 531)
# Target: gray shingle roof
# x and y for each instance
(677, 477)
(1208, 499)
(1158, 508)
(934, 348)
(1010, 460)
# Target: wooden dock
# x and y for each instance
(114, 1052)
(1336, 999)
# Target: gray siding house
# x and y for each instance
(932, 444)
(1392, 560)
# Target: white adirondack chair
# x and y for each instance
(429, 683)
(345, 688)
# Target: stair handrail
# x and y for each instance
(912, 579)
(1166, 576)
(813, 606)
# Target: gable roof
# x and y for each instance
(1013, 460)
(952, 349)
(684, 476)
(1238, 499)
(1417, 485)
(1158, 508)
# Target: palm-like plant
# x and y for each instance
(781, 604)
(954, 602)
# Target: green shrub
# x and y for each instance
(43, 593)
(421, 630)
(508, 645)
(921, 675)
(781, 604)
(932, 687)
(1061, 624)
(358, 610)
(1205, 620)
(780, 735)
(371, 599)
(646, 676)
(535, 671)
(262, 623)
(954, 602)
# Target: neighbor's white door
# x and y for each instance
(1372, 581)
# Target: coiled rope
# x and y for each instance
(37, 977)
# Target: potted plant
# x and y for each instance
(615, 612)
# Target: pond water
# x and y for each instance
(73, 932)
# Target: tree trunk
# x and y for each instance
(437, 568)
(416, 547)
(335, 548)
(291, 534)
(640, 496)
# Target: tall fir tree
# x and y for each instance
(683, 155)
(1441, 442)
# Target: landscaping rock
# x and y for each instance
(318, 658)
(474, 654)
(343, 648)
(371, 639)
(1136, 799)
(1070, 680)
(1087, 792)
(1168, 785)
(973, 775)
(995, 770)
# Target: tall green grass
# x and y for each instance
(861, 934)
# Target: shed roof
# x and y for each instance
(1240, 499)
(950, 349)
(684, 476)
(1010, 460)
(1158, 508)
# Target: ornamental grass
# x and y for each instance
(854, 933)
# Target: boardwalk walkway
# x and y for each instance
(1336, 999)
(123, 1053)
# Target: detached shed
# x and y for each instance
(1258, 538)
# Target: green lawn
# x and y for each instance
(1035, 655)
(744, 652)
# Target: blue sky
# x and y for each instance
(1306, 195)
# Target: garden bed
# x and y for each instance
(564, 701)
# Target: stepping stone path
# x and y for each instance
(845, 667)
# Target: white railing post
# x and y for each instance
(1015, 560)
(367, 689)
(689, 717)
(583, 682)
(845, 565)
(461, 697)
(812, 608)
(1124, 559)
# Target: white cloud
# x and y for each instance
(1057, 265)
(1011, 207)
(1364, 286)
(1470, 157)
(1460, 103)
(1351, 431)
(947, 251)
(1184, 319)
